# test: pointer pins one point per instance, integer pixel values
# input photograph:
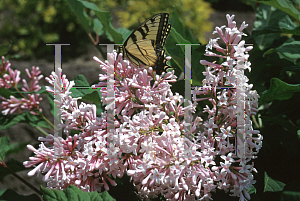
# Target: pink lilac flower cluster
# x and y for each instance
(85, 159)
(10, 79)
(220, 138)
(151, 142)
(133, 86)
(158, 155)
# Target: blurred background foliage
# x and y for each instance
(28, 25)
(194, 14)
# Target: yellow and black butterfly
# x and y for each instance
(145, 44)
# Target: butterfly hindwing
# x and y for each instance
(161, 64)
(145, 44)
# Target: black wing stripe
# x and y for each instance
(164, 37)
(144, 50)
(156, 19)
(162, 24)
(145, 44)
(161, 64)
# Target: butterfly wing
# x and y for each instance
(161, 63)
(145, 44)
(141, 53)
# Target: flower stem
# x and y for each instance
(48, 121)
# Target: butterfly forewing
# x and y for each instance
(144, 53)
(145, 44)
(164, 37)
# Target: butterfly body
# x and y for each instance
(145, 44)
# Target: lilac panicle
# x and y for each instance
(11, 79)
(152, 141)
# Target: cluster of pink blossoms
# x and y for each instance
(10, 79)
(150, 142)
(83, 160)
(221, 138)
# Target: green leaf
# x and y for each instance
(53, 195)
(94, 97)
(35, 121)
(10, 195)
(32, 118)
(290, 196)
(4, 147)
(98, 27)
(289, 51)
(74, 194)
(266, 28)
(5, 93)
(41, 123)
(87, 94)
(106, 20)
(283, 26)
(7, 121)
(291, 191)
(124, 32)
(89, 5)
(177, 24)
(12, 164)
(78, 10)
(76, 93)
(4, 49)
(17, 147)
(279, 90)
(251, 190)
(99, 110)
(287, 6)
(176, 51)
(80, 81)
(106, 197)
(10, 120)
(269, 52)
(288, 26)
(178, 87)
(272, 185)
(91, 95)
(197, 68)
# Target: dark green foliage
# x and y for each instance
(74, 194)
(275, 75)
